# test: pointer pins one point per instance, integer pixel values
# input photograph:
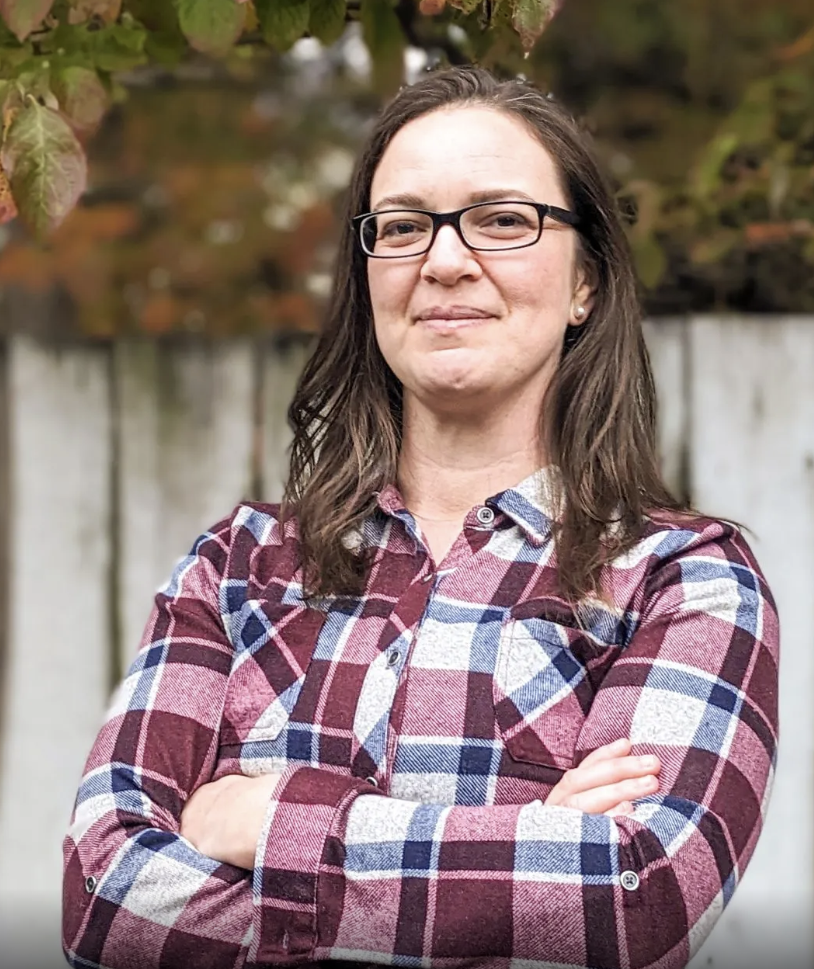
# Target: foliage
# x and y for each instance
(59, 60)
(186, 232)
(211, 205)
(705, 113)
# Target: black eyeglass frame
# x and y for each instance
(564, 216)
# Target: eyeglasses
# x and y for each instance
(484, 227)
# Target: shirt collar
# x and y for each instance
(533, 504)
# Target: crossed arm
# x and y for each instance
(321, 866)
(223, 819)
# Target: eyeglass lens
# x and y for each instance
(502, 225)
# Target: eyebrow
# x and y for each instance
(409, 201)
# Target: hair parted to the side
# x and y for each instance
(599, 416)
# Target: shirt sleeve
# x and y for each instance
(432, 885)
(136, 893)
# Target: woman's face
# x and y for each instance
(521, 300)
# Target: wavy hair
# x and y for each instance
(598, 418)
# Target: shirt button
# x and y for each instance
(428, 578)
(485, 515)
(90, 884)
(393, 658)
(629, 880)
(372, 781)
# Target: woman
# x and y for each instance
(481, 691)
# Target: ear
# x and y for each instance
(584, 295)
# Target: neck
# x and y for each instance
(446, 465)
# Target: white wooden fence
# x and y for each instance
(114, 459)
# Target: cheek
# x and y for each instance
(543, 286)
(390, 287)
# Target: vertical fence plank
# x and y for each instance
(752, 459)
(282, 365)
(58, 621)
(5, 522)
(667, 346)
(185, 458)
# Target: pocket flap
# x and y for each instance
(541, 692)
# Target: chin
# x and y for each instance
(452, 387)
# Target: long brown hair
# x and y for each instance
(601, 405)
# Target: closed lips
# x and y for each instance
(453, 313)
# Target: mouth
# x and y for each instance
(452, 317)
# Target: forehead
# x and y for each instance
(449, 155)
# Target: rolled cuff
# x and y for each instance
(297, 842)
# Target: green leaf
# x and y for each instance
(212, 26)
(383, 35)
(651, 262)
(156, 15)
(12, 57)
(327, 21)
(283, 21)
(166, 48)
(46, 166)
(23, 16)
(81, 95)
(530, 18)
(707, 175)
(710, 249)
(117, 47)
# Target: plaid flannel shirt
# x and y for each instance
(419, 729)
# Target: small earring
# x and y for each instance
(579, 312)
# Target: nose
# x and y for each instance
(448, 259)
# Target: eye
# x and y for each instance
(400, 228)
(507, 220)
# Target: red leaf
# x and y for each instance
(8, 208)
(23, 16)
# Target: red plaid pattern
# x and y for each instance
(419, 729)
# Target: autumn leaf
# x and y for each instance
(23, 16)
(530, 18)
(283, 21)
(430, 8)
(769, 233)
(11, 100)
(466, 6)
(211, 26)
(8, 208)
(383, 35)
(81, 95)
(82, 10)
(327, 20)
(46, 166)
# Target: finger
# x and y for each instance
(601, 799)
(605, 772)
(623, 809)
(617, 749)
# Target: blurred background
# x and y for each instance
(150, 345)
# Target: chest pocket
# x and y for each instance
(274, 646)
(543, 686)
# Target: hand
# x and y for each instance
(607, 781)
(223, 819)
